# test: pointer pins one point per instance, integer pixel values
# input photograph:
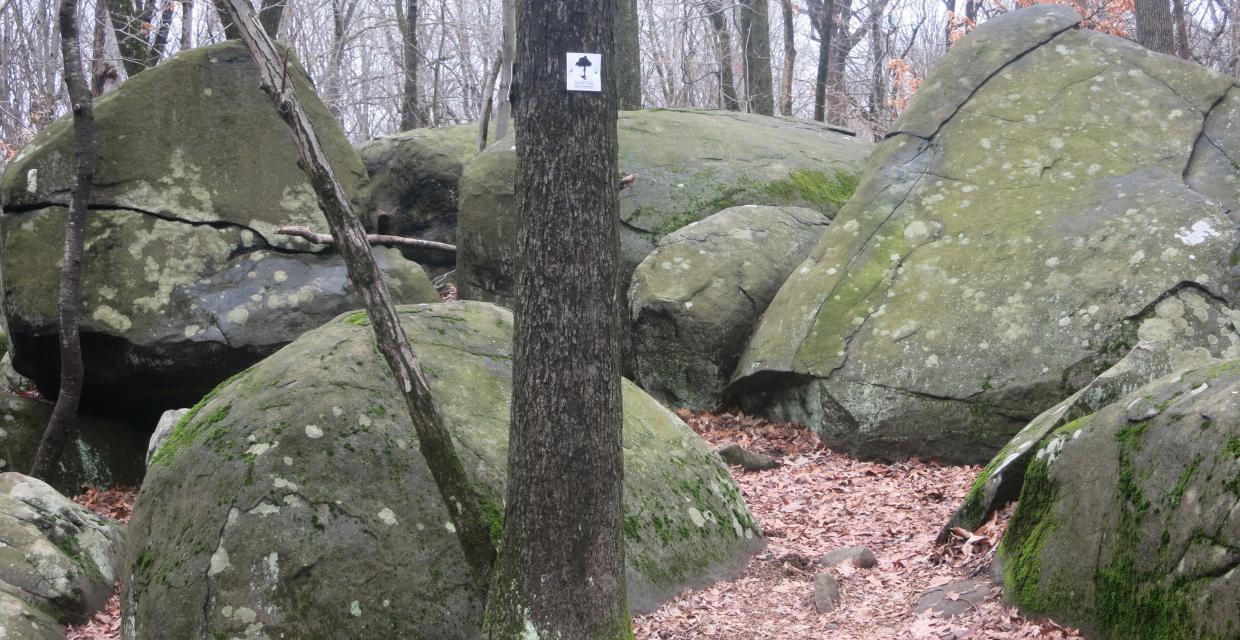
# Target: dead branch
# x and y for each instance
(372, 238)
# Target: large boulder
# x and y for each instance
(1024, 213)
(57, 563)
(413, 180)
(101, 453)
(1186, 330)
(1128, 525)
(185, 280)
(695, 299)
(293, 501)
(690, 164)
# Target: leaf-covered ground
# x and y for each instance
(818, 501)
(815, 502)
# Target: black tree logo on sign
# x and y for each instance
(584, 63)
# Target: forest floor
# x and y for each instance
(818, 501)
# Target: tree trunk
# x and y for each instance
(508, 47)
(231, 30)
(270, 15)
(628, 56)
(60, 426)
(723, 44)
(790, 58)
(1181, 30)
(1154, 25)
(409, 99)
(187, 25)
(878, 69)
(756, 43)
(841, 46)
(488, 103)
(460, 496)
(826, 26)
(104, 72)
(127, 21)
(560, 572)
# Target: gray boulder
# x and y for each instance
(695, 299)
(57, 561)
(1127, 525)
(101, 453)
(690, 164)
(185, 280)
(163, 429)
(1184, 331)
(318, 518)
(1009, 234)
(414, 178)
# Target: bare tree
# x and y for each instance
(723, 45)
(790, 58)
(756, 45)
(408, 23)
(60, 426)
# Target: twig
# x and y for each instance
(372, 238)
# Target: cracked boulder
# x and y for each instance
(694, 300)
(1128, 524)
(690, 164)
(293, 502)
(1184, 331)
(185, 280)
(1026, 211)
(56, 563)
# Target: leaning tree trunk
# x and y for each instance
(560, 571)
(628, 56)
(790, 58)
(60, 426)
(1154, 25)
(723, 45)
(756, 43)
(231, 30)
(460, 496)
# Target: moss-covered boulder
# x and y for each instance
(690, 164)
(57, 561)
(1026, 209)
(293, 501)
(102, 453)
(1128, 523)
(695, 298)
(184, 279)
(414, 177)
(1184, 331)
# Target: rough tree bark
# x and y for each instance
(409, 37)
(488, 105)
(60, 426)
(460, 496)
(1154, 27)
(628, 56)
(878, 69)
(560, 571)
(723, 45)
(824, 21)
(756, 43)
(790, 57)
(231, 30)
(128, 20)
